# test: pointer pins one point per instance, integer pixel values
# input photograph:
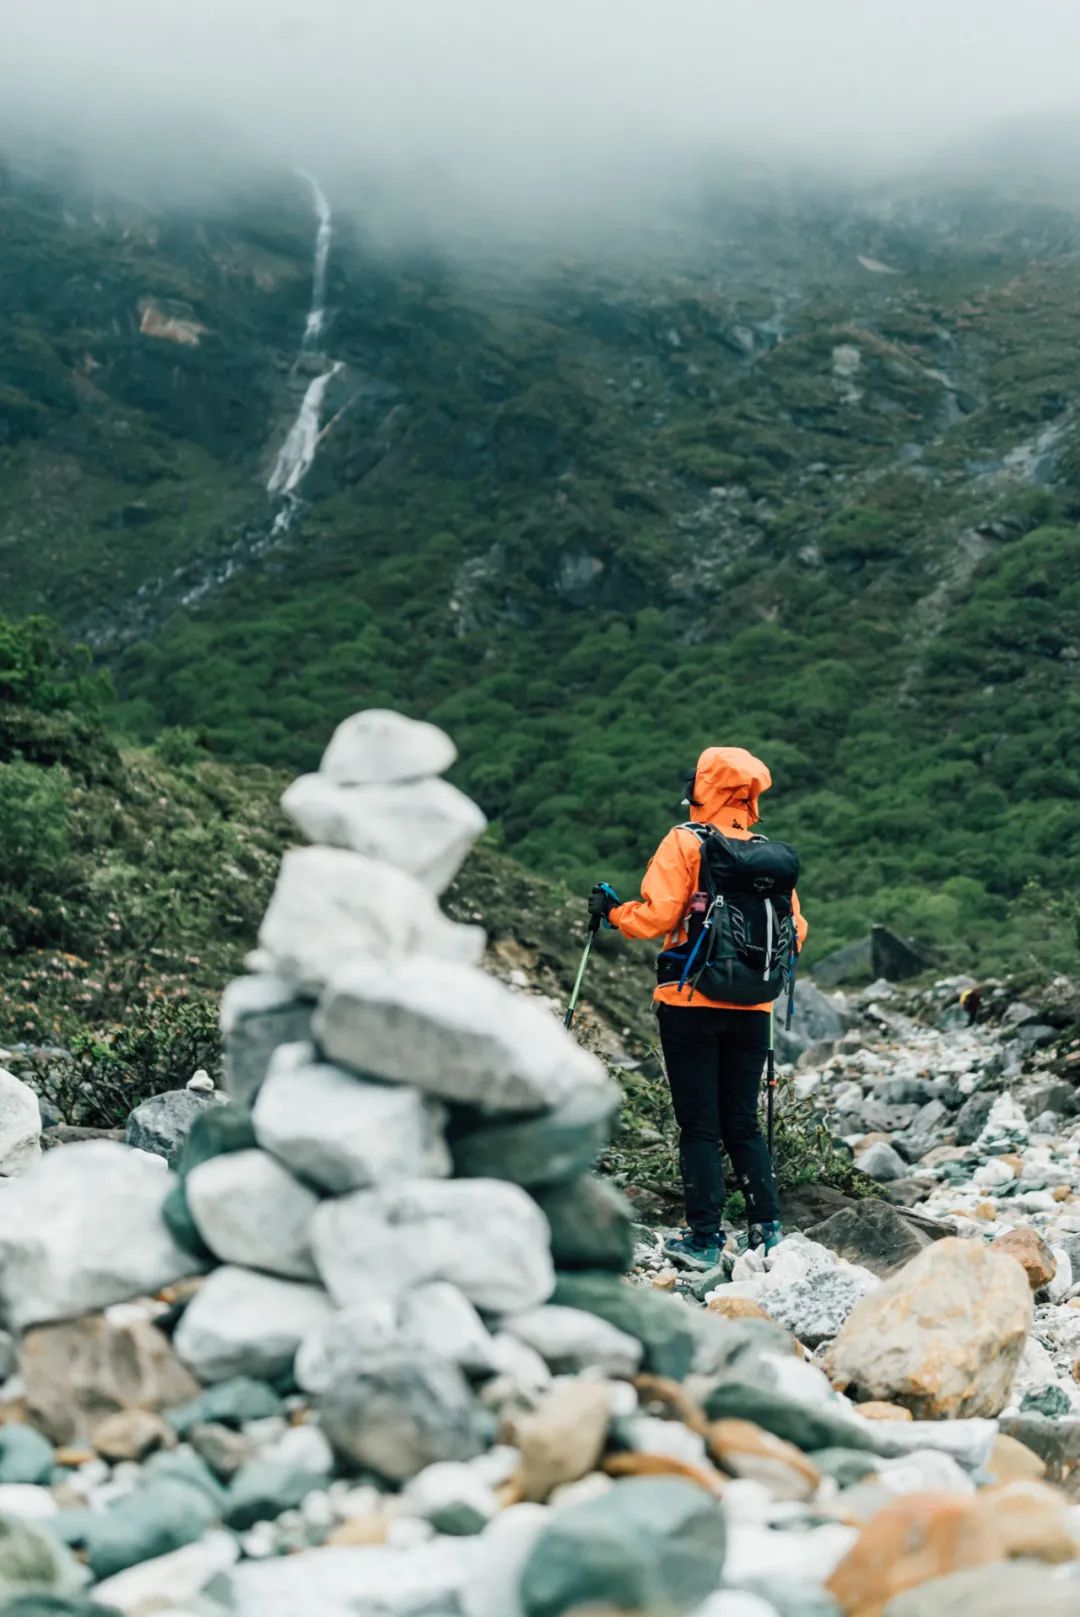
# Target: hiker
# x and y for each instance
(715, 1048)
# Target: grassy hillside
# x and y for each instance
(738, 484)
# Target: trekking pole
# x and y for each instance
(594, 927)
(771, 1088)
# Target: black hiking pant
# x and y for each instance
(714, 1061)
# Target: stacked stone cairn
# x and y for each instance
(366, 1346)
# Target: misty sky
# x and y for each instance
(503, 99)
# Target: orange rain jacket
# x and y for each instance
(727, 786)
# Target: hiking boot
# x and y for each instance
(766, 1235)
(693, 1250)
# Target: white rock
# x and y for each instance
(243, 1323)
(735, 1603)
(969, 1442)
(924, 1471)
(434, 1319)
(82, 1229)
(332, 906)
(593, 1485)
(378, 745)
(450, 1485)
(20, 1124)
(342, 1133)
(439, 1319)
(649, 1434)
(484, 1236)
(569, 1339)
(993, 1175)
(201, 1081)
(452, 1032)
(161, 1584)
(378, 1579)
(424, 827)
(347, 1340)
(251, 1211)
(491, 1588)
(520, 1371)
(304, 1447)
(812, 1557)
(27, 1500)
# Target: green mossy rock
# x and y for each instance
(646, 1546)
(590, 1224)
(808, 1426)
(216, 1131)
(659, 1323)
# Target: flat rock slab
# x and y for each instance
(454, 1033)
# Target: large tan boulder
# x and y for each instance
(81, 1371)
(943, 1337)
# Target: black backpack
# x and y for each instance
(742, 946)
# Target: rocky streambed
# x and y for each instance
(365, 1335)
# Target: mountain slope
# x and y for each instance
(800, 475)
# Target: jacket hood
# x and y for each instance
(727, 785)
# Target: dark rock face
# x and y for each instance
(877, 1236)
(972, 1116)
(882, 954)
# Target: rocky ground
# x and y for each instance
(367, 1337)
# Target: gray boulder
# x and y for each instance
(646, 1545)
(162, 1123)
(973, 1116)
(404, 1412)
(342, 1133)
(83, 1229)
(454, 1033)
(881, 1162)
(571, 1340)
(875, 1235)
(484, 1236)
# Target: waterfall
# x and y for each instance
(317, 312)
(302, 440)
(298, 451)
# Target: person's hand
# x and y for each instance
(602, 899)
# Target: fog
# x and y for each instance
(542, 107)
